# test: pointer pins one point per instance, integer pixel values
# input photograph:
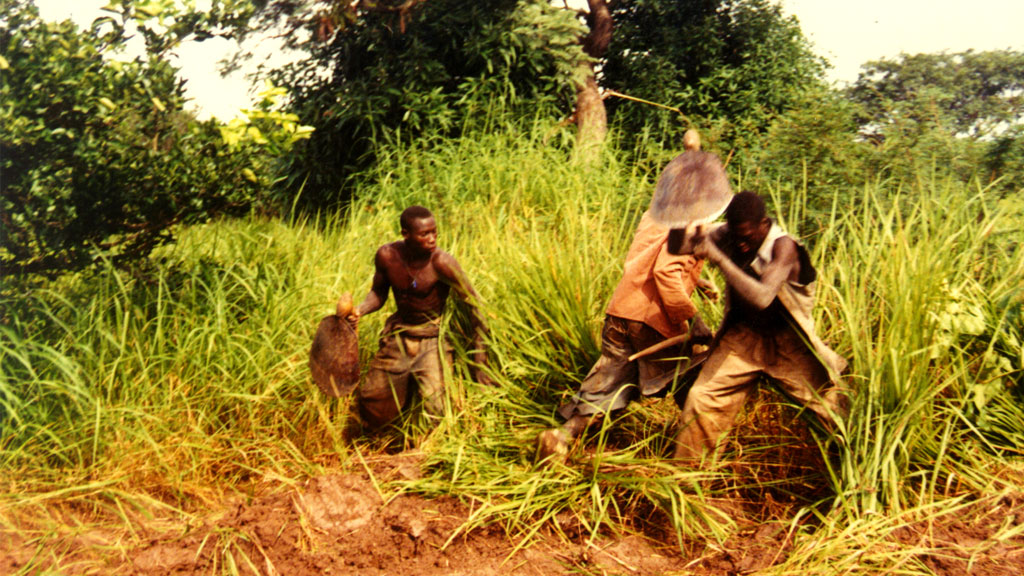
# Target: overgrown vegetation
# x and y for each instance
(100, 159)
(157, 389)
(729, 66)
(191, 379)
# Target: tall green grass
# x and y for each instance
(179, 382)
(917, 309)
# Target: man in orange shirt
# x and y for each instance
(650, 304)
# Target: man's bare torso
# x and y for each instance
(420, 292)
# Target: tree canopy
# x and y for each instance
(740, 62)
(414, 67)
(965, 93)
(99, 158)
(964, 109)
(378, 68)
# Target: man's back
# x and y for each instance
(655, 286)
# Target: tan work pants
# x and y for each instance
(403, 366)
(732, 370)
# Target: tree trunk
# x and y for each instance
(591, 118)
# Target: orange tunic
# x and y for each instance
(656, 286)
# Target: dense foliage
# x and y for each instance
(99, 157)
(734, 65)
(964, 109)
(969, 93)
(383, 71)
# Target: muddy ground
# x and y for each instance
(338, 524)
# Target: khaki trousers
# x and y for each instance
(730, 373)
(403, 366)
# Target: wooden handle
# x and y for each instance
(344, 306)
(680, 339)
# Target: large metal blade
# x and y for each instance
(693, 189)
(334, 357)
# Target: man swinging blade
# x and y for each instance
(650, 316)
(767, 329)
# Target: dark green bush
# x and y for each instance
(99, 158)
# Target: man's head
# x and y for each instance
(419, 229)
(747, 220)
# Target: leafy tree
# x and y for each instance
(734, 63)
(813, 144)
(968, 93)
(1004, 158)
(957, 113)
(98, 156)
(407, 68)
(381, 69)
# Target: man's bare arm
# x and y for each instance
(450, 272)
(757, 293)
(379, 288)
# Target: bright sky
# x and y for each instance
(847, 32)
(851, 32)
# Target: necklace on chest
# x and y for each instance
(414, 265)
(412, 276)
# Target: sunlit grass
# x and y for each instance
(163, 389)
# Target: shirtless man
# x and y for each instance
(421, 277)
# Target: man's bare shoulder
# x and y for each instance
(443, 262)
(784, 247)
(389, 252)
(785, 253)
(442, 256)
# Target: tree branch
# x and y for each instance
(600, 21)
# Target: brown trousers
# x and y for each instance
(403, 365)
(613, 382)
(730, 373)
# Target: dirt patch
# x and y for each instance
(338, 524)
(963, 544)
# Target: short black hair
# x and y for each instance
(411, 213)
(745, 207)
